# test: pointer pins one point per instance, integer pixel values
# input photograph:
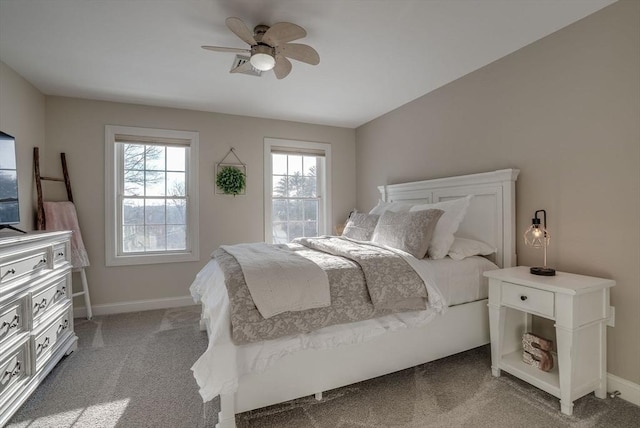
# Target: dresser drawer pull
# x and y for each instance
(63, 326)
(38, 306)
(523, 298)
(61, 292)
(40, 263)
(8, 374)
(42, 346)
(9, 272)
(60, 254)
(13, 323)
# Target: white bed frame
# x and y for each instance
(490, 218)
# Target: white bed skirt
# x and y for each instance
(309, 372)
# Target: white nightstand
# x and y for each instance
(580, 307)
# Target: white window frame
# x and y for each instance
(113, 193)
(324, 181)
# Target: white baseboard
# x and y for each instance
(134, 306)
(629, 391)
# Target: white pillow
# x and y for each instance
(448, 224)
(395, 207)
(465, 247)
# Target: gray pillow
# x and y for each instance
(407, 231)
(360, 226)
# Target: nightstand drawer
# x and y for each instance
(528, 299)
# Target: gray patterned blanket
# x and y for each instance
(365, 282)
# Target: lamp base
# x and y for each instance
(544, 271)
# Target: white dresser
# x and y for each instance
(36, 313)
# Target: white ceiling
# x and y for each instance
(375, 55)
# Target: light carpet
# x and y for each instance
(133, 370)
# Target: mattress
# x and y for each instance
(219, 369)
(461, 281)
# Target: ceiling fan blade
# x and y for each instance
(283, 32)
(245, 66)
(299, 52)
(241, 30)
(282, 68)
(221, 49)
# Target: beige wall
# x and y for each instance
(22, 112)
(76, 127)
(565, 111)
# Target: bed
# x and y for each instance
(260, 374)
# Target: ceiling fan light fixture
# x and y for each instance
(262, 57)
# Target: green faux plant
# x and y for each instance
(231, 180)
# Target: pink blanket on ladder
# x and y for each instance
(63, 216)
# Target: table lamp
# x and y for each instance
(537, 236)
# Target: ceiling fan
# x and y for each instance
(270, 47)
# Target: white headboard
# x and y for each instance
(491, 216)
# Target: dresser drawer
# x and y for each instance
(23, 266)
(45, 299)
(14, 368)
(12, 319)
(60, 254)
(51, 337)
(528, 299)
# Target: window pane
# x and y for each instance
(296, 230)
(279, 185)
(154, 183)
(311, 210)
(176, 158)
(132, 239)
(295, 164)
(309, 164)
(310, 228)
(134, 183)
(154, 211)
(309, 187)
(295, 210)
(176, 185)
(176, 237)
(176, 211)
(280, 235)
(279, 164)
(279, 210)
(132, 211)
(296, 185)
(155, 239)
(133, 156)
(154, 158)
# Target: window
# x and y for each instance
(151, 188)
(297, 189)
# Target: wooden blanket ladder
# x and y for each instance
(41, 221)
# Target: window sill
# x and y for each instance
(150, 259)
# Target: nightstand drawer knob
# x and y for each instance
(523, 298)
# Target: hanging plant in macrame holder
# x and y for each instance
(231, 178)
